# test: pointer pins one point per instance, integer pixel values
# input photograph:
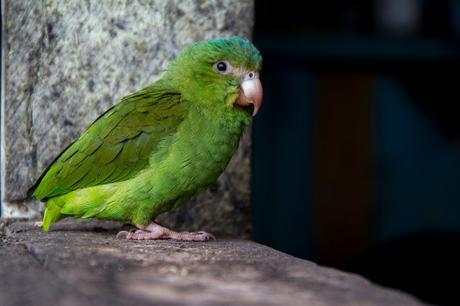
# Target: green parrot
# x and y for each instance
(159, 146)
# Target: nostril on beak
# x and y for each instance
(250, 76)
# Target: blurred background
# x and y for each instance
(357, 147)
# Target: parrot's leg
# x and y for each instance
(154, 231)
(38, 223)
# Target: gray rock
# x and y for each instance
(80, 263)
(68, 62)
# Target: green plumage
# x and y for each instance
(157, 147)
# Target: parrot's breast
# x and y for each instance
(205, 147)
(193, 157)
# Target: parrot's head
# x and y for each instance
(221, 73)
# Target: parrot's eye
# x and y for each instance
(223, 67)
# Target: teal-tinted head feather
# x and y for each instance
(194, 73)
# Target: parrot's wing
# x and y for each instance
(116, 146)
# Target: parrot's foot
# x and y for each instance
(154, 231)
(38, 223)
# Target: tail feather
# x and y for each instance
(52, 214)
(84, 203)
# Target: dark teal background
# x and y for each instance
(415, 232)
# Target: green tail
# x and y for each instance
(52, 214)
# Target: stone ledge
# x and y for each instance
(81, 263)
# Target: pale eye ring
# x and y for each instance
(223, 67)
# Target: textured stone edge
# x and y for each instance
(2, 108)
(227, 271)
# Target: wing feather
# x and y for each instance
(117, 145)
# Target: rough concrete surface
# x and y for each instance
(81, 263)
(66, 62)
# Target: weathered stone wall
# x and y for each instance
(66, 62)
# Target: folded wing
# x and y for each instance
(117, 145)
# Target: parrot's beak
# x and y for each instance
(251, 92)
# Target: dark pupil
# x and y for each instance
(221, 66)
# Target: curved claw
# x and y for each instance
(206, 236)
(123, 235)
